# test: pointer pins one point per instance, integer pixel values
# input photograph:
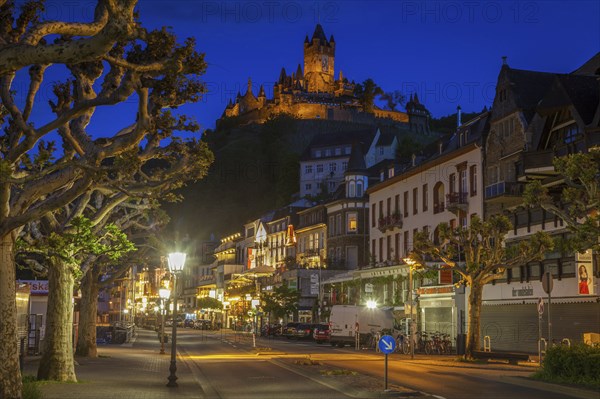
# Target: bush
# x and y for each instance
(579, 364)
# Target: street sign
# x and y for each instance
(547, 282)
(387, 344)
(540, 306)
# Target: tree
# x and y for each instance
(577, 201)
(393, 99)
(209, 303)
(106, 62)
(281, 302)
(484, 258)
(366, 93)
(62, 250)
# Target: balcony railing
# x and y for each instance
(503, 189)
(438, 207)
(456, 201)
(389, 222)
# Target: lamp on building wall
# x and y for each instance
(176, 262)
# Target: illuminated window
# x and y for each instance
(352, 222)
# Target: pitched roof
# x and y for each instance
(356, 163)
(528, 87)
(590, 67)
(320, 35)
(364, 137)
(582, 91)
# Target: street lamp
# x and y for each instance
(410, 262)
(164, 294)
(176, 263)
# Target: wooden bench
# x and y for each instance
(512, 357)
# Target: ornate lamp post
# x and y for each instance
(411, 263)
(164, 294)
(176, 263)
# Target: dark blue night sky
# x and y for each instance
(449, 52)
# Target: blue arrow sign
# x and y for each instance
(387, 344)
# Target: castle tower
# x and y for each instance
(319, 57)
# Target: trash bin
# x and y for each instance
(461, 344)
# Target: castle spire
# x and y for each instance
(282, 76)
(319, 35)
(249, 90)
(261, 92)
(416, 100)
(341, 76)
(299, 74)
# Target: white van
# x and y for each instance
(346, 320)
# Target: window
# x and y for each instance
(359, 189)
(338, 151)
(406, 204)
(331, 186)
(308, 186)
(463, 181)
(397, 245)
(352, 222)
(351, 189)
(389, 206)
(381, 208)
(331, 229)
(389, 247)
(332, 167)
(381, 249)
(381, 150)
(327, 153)
(308, 169)
(405, 243)
(338, 224)
(347, 150)
(318, 154)
(344, 166)
(397, 203)
(373, 248)
(473, 179)
(320, 168)
(452, 183)
(415, 200)
(373, 216)
(425, 197)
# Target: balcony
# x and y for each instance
(390, 222)
(505, 192)
(457, 202)
(438, 207)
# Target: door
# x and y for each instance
(352, 257)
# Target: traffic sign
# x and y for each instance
(387, 344)
(540, 306)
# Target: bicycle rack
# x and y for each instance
(487, 344)
(566, 341)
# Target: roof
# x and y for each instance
(356, 163)
(590, 67)
(528, 87)
(582, 91)
(385, 139)
(364, 137)
(319, 34)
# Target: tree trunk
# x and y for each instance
(10, 373)
(57, 361)
(88, 309)
(473, 331)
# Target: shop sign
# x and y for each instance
(435, 290)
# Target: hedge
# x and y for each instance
(578, 364)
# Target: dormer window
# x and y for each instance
(338, 151)
(318, 154)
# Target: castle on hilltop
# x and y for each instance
(314, 93)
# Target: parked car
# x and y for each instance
(304, 331)
(289, 330)
(321, 333)
(188, 323)
(202, 324)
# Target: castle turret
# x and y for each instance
(418, 115)
(356, 176)
(262, 97)
(319, 57)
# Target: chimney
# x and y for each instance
(458, 116)
(440, 147)
(414, 159)
(504, 60)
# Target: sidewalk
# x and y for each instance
(122, 371)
